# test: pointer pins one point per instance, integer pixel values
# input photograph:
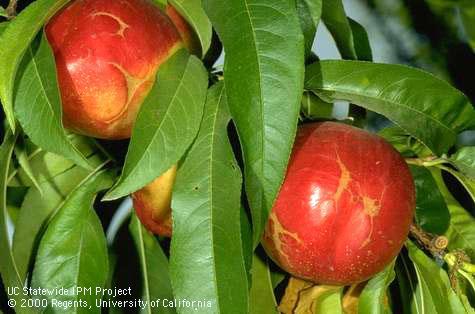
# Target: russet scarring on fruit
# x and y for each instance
(345, 206)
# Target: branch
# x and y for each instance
(11, 9)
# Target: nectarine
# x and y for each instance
(152, 203)
(345, 206)
(107, 55)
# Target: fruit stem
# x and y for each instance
(11, 9)
(426, 161)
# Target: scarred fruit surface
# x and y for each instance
(107, 55)
(345, 207)
(152, 203)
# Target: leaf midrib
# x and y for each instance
(210, 193)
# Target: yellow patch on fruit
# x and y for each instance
(279, 232)
(122, 25)
(344, 181)
(133, 84)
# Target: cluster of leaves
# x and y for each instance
(50, 178)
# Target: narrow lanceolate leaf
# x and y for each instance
(263, 74)
(432, 213)
(262, 299)
(374, 297)
(38, 102)
(207, 260)
(8, 268)
(426, 107)
(361, 41)
(309, 12)
(73, 251)
(461, 232)
(334, 17)
(433, 293)
(37, 208)
(15, 40)
(166, 124)
(464, 160)
(154, 265)
(196, 17)
(46, 165)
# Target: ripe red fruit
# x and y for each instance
(152, 203)
(107, 55)
(345, 206)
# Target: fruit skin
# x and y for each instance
(344, 209)
(107, 54)
(152, 203)
(186, 32)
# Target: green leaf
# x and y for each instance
(73, 251)
(334, 17)
(464, 160)
(207, 259)
(38, 208)
(461, 232)
(361, 41)
(8, 268)
(405, 144)
(194, 14)
(154, 266)
(315, 108)
(406, 279)
(309, 12)
(167, 123)
(263, 72)
(15, 41)
(47, 166)
(426, 107)
(246, 242)
(41, 119)
(467, 13)
(467, 182)
(276, 277)
(432, 213)
(329, 302)
(21, 155)
(262, 299)
(373, 298)
(3, 13)
(433, 294)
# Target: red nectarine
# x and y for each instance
(345, 206)
(152, 203)
(107, 55)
